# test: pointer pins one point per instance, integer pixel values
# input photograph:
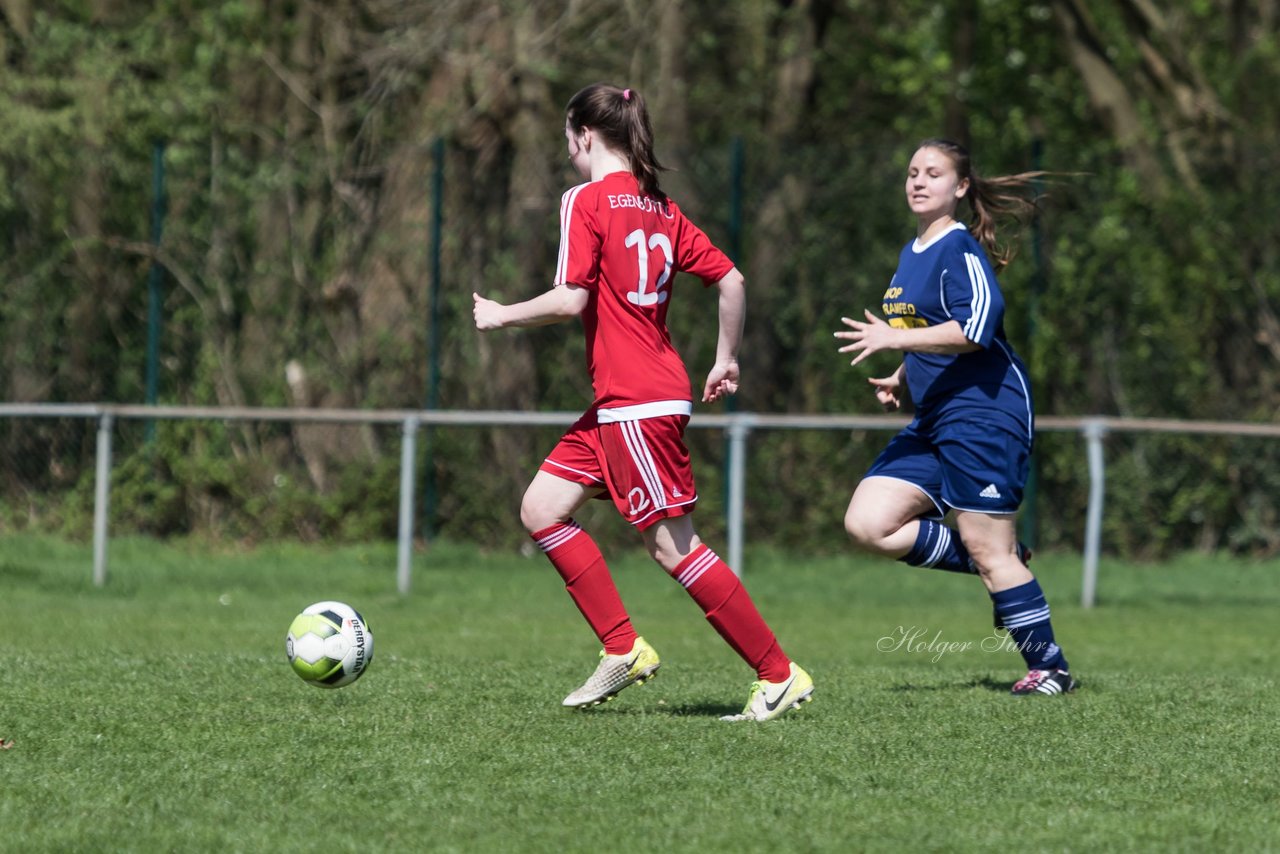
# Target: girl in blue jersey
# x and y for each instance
(968, 448)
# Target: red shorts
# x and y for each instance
(643, 465)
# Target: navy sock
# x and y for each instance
(938, 547)
(1025, 614)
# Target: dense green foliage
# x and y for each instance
(297, 150)
(159, 713)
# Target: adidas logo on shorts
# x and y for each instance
(990, 492)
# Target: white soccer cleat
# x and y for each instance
(614, 673)
(769, 700)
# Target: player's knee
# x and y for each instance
(531, 519)
(671, 541)
(984, 557)
(862, 530)
(536, 515)
(666, 557)
(662, 549)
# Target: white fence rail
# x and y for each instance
(738, 427)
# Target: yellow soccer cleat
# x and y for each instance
(614, 673)
(769, 700)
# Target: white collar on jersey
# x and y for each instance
(918, 247)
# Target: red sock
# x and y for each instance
(721, 596)
(586, 576)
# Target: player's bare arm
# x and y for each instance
(722, 380)
(875, 335)
(554, 306)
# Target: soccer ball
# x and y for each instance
(329, 645)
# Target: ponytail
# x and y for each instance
(620, 117)
(992, 199)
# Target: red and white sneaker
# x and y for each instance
(1045, 682)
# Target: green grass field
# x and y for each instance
(160, 714)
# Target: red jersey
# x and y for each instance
(626, 248)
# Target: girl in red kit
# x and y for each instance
(621, 242)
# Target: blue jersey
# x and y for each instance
(950, 278)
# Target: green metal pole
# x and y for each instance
(735, 200)
(155, 278)
(433, 339)
(1028, 521)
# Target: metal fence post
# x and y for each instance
(102, 499)
(1094, 431)
(739, 427)
(408, 453)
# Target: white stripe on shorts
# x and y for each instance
(644, 462)
(592, 477)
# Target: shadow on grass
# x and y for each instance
(1196, 600)
(697, 710)
(709, 711)
(10, 571)
(986, 682)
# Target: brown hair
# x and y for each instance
(991, 198)
(620, 117)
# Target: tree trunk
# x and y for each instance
(779, 215)
(1109, 94)
(963, 27)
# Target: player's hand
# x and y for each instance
(487, 313)
(888, 391)
(870, 337)
(721, 382)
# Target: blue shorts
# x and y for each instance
(962, 465)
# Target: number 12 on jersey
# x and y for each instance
(640, 296)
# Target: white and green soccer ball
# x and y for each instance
(329, 645)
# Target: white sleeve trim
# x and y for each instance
(566, 221)
(980, 303)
